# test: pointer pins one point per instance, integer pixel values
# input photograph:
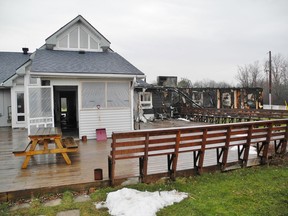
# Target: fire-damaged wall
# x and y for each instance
(171, 101)
(234, 98)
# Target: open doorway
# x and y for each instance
(65, 109)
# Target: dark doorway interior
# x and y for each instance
(65, 108)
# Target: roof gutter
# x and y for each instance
(8, 82)
(82, 75)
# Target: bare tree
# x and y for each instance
(250, 75)
(184, 83)
(206, 83)
(243, 76)
(279, 72)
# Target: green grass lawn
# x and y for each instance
(250, 191)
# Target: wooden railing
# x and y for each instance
(222, 116)
(197, 140)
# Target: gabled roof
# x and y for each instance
(56, 61)
(9, 62)
(52, 38)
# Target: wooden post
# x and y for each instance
(112, 162)
(175, 157)
(202, 151)
(145, 159)
(226, 148)
(284, 142)
(247, 146)
(264, 157)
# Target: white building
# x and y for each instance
(75, 80)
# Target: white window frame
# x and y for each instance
(78, 27)
(17, 113)
(34, 84)
(145, 104)
(106, 96)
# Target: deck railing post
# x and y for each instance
(112, 161)
(145, 159)
(247, 146)
(266, 143)
(226, 149)
(284, 141)
(175, 156)
(202, 151)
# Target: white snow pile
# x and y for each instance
(131, 202)
(183, 119)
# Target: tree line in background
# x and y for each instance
(255, 75)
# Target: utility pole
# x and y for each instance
(270, 80)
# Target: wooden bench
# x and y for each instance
(198, 139)
(69, 143)
(21, 149)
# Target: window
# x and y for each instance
(78, 38)
(93, 95)
(33, 81)
(20, 107)
(117, 95)
(105, 95)
(63, 104)
(93, 44)
(83, 39)
(145, 100)
(73, 39)
(63, 43)
(45, 82)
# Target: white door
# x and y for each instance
(40, 107)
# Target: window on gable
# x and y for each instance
(63, 43)
(78, 38)
(73, 38)
(83, 39)
(93, 44)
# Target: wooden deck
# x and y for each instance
(49, 171)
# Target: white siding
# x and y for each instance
(5, 103)
(110, 119)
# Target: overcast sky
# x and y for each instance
(194, 39)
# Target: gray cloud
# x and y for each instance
(192, 39)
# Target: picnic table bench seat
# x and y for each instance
(69, 142)
(21, 148)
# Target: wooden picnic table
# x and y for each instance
(39, 140)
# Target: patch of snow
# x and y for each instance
(130, 181)
(252, 149)
(183, 119)
(131, 202)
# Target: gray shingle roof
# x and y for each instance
(9, 62)
(55, 61)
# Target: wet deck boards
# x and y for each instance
(51, 170)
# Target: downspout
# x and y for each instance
(132, 102)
